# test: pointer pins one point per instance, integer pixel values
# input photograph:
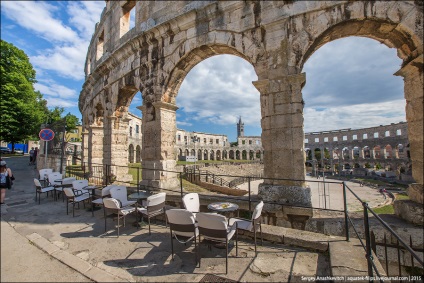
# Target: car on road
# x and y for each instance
(5, 150)
(19, 151)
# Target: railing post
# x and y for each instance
(368, 240)
(181, 185)
(250, 200)
(345, 211)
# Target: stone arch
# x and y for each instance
(218, 155)
(212, 155)
(205, 155)
(138, 154)
(131, 153)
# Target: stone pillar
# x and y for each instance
(413, 86)
(351, 155)
(372, 154)
(384, 153)
(84, 150)
(361, 153)
(158, 146)
(282, 140)
(95, 147)
(118, 147)
(395, 153)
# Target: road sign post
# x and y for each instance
(46, 135)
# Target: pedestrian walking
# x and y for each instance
(31, 156)
(35, 155)
(6, 178)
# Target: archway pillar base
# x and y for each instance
(291, 195)
(155, 179)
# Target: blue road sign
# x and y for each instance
(46, 134)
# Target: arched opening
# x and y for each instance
(138, 154)
(131, 154)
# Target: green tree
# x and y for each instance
(55, 116)
(22, 108)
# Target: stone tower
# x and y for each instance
(240, 128)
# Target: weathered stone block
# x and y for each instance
(410, 211)
(415, 193)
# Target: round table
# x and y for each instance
(223, 207)
(139, 195)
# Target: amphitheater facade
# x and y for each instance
(276, 37)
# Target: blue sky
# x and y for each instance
(349, 82)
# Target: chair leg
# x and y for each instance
(172, 246)
(39, 198)
(226, 257)
(67, 207)
(236, 242)
(148, 219)
(104, 214)
(73, 208)
(118, 224)
(262, 239)
(198, 251)
(254, 233)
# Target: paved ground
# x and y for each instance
(330, 195)
(34, 235)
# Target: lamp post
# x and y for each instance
(195, 139)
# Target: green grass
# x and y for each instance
(387, 209)
(132, 170)
(402, 197)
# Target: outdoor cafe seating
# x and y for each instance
(40, 189)
(114, 205)
(154, 205)
(44, 175)
(214, 228)
(75, 197)
(183, 228)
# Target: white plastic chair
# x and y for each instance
(251, 225)
(73, 197)
(66, 183)
(105, 192)
(79, 185)
(120, 193)
(214, 228)
(40, 189)
(114, 205)
(183, 228)
(154, 206)
(192, 203)
(52, 177)
(44, 175)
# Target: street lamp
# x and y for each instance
(195, 139)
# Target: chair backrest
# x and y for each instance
(191, 202)
(37, 184)
(181, 221)
(111, 203)
(155, 202)
(258, 210)
(119, 193)
(44, 173)
(212, 225)
(54, 176)
(79, 184)
(69, 192)
(106, 190)
(68, 181)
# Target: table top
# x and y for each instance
(223, 206)
(91, 187)
(140, 195)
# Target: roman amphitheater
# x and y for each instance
(277, 38)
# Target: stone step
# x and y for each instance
(347, 259)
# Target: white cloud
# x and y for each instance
(55, 90)
(38, 17)
(219, 89)
(354, 116)
(84, 15)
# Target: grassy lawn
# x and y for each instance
(388, 209)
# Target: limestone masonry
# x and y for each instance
(276, 37)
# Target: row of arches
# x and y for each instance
(205, 154)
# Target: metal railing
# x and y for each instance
(103, 174)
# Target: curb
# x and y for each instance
(92, 272)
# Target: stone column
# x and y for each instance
(95, 146)
(351, 155)
(395, 153)
(361, 153)
(413, 86)
(282, 140)
(158, 146)
(384, 153)
(85, 141)
(117, 150)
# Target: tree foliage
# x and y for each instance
(22, 108)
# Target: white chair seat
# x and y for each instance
(126, 210)
(241, 224)
(47, 189)
(128, 203)
(81, 197)
(98, 201)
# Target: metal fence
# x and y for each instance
(104, 174)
